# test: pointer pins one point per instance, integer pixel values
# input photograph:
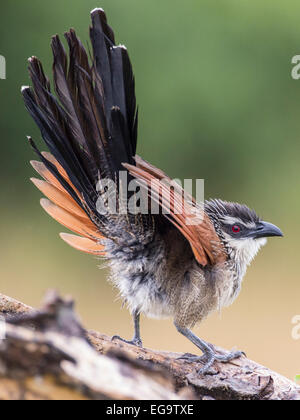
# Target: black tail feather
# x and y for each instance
(91, 127)
(56, 142)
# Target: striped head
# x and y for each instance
(240, 229)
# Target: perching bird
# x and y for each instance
(163, 265)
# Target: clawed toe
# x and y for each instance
(212, 357)
(191, 358)
(135, 342)
(230, 356)
(209, 358)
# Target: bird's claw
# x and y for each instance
(229, 356)
(135, 341)
(190, 358)
(209, 358)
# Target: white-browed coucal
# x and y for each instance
(163, 265)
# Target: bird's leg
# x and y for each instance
(209, 353)
(136, 341)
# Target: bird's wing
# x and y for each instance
(182, 210)
(65, 210)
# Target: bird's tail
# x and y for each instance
(89, 127)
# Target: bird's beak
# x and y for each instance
(264, 230)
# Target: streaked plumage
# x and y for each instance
(161, 265)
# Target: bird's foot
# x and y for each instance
(210, 357)
(229, 356)
(191, 358)
(136, 341)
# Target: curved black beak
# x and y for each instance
(264, 230)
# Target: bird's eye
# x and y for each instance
(236, 228)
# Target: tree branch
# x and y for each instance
(46, 354)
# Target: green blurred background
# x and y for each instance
(217, 101)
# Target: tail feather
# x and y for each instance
(71, 221)
(74, 89)
(83, 244)
(54, 171)
(59, 198)
(60, 169)
(90, 128)
(102, 39)
(41, 169)
(66, 211)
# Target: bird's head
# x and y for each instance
(240, 229)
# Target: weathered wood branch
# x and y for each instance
(46, 354)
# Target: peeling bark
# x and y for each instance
(48, 355)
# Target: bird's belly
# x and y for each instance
(148, 301)
(140, 290)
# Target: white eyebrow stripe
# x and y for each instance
(229, 220)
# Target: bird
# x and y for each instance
(184, 260)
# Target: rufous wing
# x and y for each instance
(83, 244)
(182, 210)
(60, 198)
(64, 209)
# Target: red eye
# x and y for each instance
(236, 228)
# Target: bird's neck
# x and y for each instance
(242, 252)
